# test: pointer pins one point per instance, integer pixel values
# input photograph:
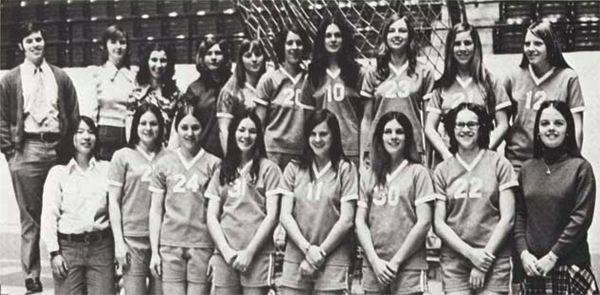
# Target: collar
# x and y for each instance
(149, 156)
(112, 71)
(247, 85)
(72, 166)
(334, 74)
(398, 70)
(296, 79)
(246, 168)
(189, 164)
(29, 68)
(464, 83)
(470, 167)
(324, 170)
(541, 79)
(390, 176)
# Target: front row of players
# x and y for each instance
(185, 219)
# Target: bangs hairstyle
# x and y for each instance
(543, 30)
(188, 109)
(88, 121)
(166, 80)
(349, 68)
(115, 33)
(134, 137)
(25, 30)
(336, 153)
(381, 160)
(384, 54)
(282, 37)
(477, 70)
(223, 72)
(569, 144)
(229, 172)
(252, 46)
(483, 118)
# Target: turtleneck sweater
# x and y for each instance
(555, 207)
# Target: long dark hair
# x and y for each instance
(485, 125)
(231, 162)
(282, 36)
(88, 121)
(385, 55)
(134, 137)
(336, 153)
(543, 30)
(167, 82)
(253, 46)
(380, 161)
(569, 144)
(114, 33)
(349, 68)
(478, 72)
(223, 72)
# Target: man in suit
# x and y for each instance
(38, 114)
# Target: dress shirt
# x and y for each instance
(75, 201)
(28, 84)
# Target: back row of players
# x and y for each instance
(331, 119)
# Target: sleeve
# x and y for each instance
(264, 90)
(158, 180)
(72, 104)
(225, 102)
(272, 179)
(502, 100)
(369, 84)
(6, 142)
(117, 170)
(307, 100)
(439, 183)
(428, 82)
(213, 191)
(52, 198)
(575, 99)
(434, 99)
(287, 184)
(364, 188)
(424, 191)
(520, 227)
(505, 174)
(582, 212)
(349, 182)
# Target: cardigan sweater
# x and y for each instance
(12, 112)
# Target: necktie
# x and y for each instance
(39, 108)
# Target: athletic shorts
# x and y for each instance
(185, 264)
(456, 271)
(327, 278)
(139, 256)
(259, 273)
(406, 282)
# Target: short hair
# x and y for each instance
(544, 31)
(336, 152)
(224, 70)
(27, 29)
(380, 160)
(134, 137)
(88, 121)
(384, 54)
(115, 32)
(232, 159)
(282, 37)
(167, 81)
(483, 118)
(253, 46)
(570, 142)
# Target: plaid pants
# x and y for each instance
(564, 279)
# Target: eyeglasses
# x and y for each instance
(470, 125)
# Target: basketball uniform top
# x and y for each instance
(233, 100)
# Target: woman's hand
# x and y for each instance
(59, 266)
(229, 255)
(546, 264)
(306, 269)
(384, 272)
(477, 279)
(315, 256)
(156, 265)
(122, 255)
(529, 264)
(242, 260)
(481, 259)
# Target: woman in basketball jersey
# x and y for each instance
(179, 237)
(334, 80)
(319, 200)
(278, 101)
(399, 83)
(543, 74)
(238, 94)
(475, 206)
(395, 211)
(465, 79)
(129, 199)
(242, 211)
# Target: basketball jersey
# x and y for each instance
(131, 170)
(317, 206)
(472, 192)
(184, 183)
(280, 93)
(233, 101)
(400, 92)
(392, 209)
(528, 92)
(243, 203)
(335, 96)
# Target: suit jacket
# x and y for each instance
(12, 114)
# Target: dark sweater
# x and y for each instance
(555, 211)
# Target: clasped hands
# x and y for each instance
(538, 267)
(314, 259)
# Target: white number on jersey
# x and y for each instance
(182, 183)
(468, 188)
(314, 192)
(290, 97)
(539, 97)
(147, 174)
(335, 92)
(401, 90)
(391, 196)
